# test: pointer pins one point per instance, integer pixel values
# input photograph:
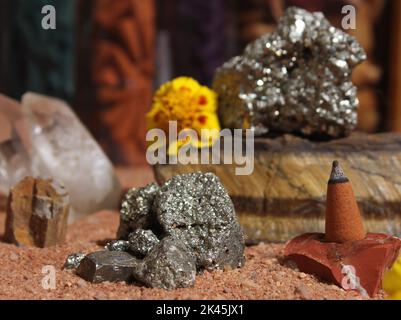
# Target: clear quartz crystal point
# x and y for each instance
(64, 149)
(14, 145)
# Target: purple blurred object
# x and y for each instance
(198, 38)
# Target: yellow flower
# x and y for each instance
(392, 281)
(193, 107)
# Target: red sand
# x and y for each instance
(264, 276)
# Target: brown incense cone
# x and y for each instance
(345, 255)
(343, 219)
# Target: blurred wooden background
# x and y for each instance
(107, 57)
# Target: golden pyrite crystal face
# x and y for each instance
(296, 79)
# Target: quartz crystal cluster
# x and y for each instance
(42, 137)
(294, 80)
(172, 231)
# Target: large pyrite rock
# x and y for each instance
(286, 193)
(294, 80)
(169, 265)
(197, 209)
(37, 213)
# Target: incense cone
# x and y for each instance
(345, 255)
(343, 219)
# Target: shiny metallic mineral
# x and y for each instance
(294, 80)
(167, 234)
(73, 260)
(117, 245)
(142, 241)
(136, 210)
(110, 266)
(169, 265)
(197, 209)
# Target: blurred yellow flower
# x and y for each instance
(192, 105)
(392, 281)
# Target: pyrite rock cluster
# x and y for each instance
(37, 213)
(186, 225)
(192, 224)
(294, 80)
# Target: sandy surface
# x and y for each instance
(264, 276)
